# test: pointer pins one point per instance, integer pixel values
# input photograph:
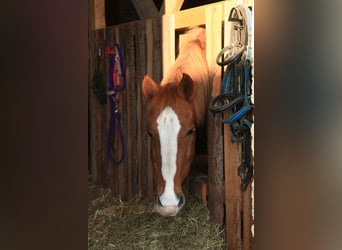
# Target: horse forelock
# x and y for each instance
(168, 97)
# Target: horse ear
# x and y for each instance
(186, 87)
(149, 87)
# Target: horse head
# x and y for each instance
(171, 124)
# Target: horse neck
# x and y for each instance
(195, 65)
(192, 61)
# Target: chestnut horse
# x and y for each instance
(175, 108)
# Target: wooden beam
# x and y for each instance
(99, 14)
(213, 23)
(197, 16)
(170, 7)
(168, 42)
(145, 8)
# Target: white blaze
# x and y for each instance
(168, 128)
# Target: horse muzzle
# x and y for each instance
(168, 210)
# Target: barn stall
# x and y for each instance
(149, 46)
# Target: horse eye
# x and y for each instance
(189, 132)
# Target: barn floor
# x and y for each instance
(113, 224)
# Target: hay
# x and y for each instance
(113, 224)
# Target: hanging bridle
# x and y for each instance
(235, 92)
(117, 83)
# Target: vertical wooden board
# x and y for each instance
(158, 58)
(123, 168)
(141, 47)
(247, 242)
(154, 69)
(94, 132)
(129, 58)
(149, 47)
(99, 114)
(103, 133)
(168, 42)
(91, 108)
(239, 206)
(215, 140)
(109, 36)
(141, 62)
(232, 160)
(99, 14)
(215, 169)
(157, 52)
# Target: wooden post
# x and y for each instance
(169, 7)
(99, 14)
(146, 140)
(145, 8)
(232, 160)
(215, 143)
(141, 62)
(168, 41)
(238, 203)
(130, 141)
(92, 124)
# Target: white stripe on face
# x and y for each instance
(168, 128)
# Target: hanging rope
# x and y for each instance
(117, 83)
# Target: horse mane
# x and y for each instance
(192, 61)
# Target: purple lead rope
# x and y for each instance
(115, 116)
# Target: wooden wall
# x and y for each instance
(140, 42)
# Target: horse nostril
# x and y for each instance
(157, 201)
(181, 200)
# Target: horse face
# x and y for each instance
(171, 126)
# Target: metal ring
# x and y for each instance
(230, 59)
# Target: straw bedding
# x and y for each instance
(113, 224)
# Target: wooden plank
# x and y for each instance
(99, 14)
(91, 24)
(92, 109)
(170, 7)
(123, 167)
(232, 160)
(247, 239)
(129, 59)
(168, 42)
(141, 62)
(113, 171)
(196, 16)
(145, 8)
(215, 141)
(145, 140)
(99, 112)
(149, 47)
(157, 72)
(215, 169)
(102, 127)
